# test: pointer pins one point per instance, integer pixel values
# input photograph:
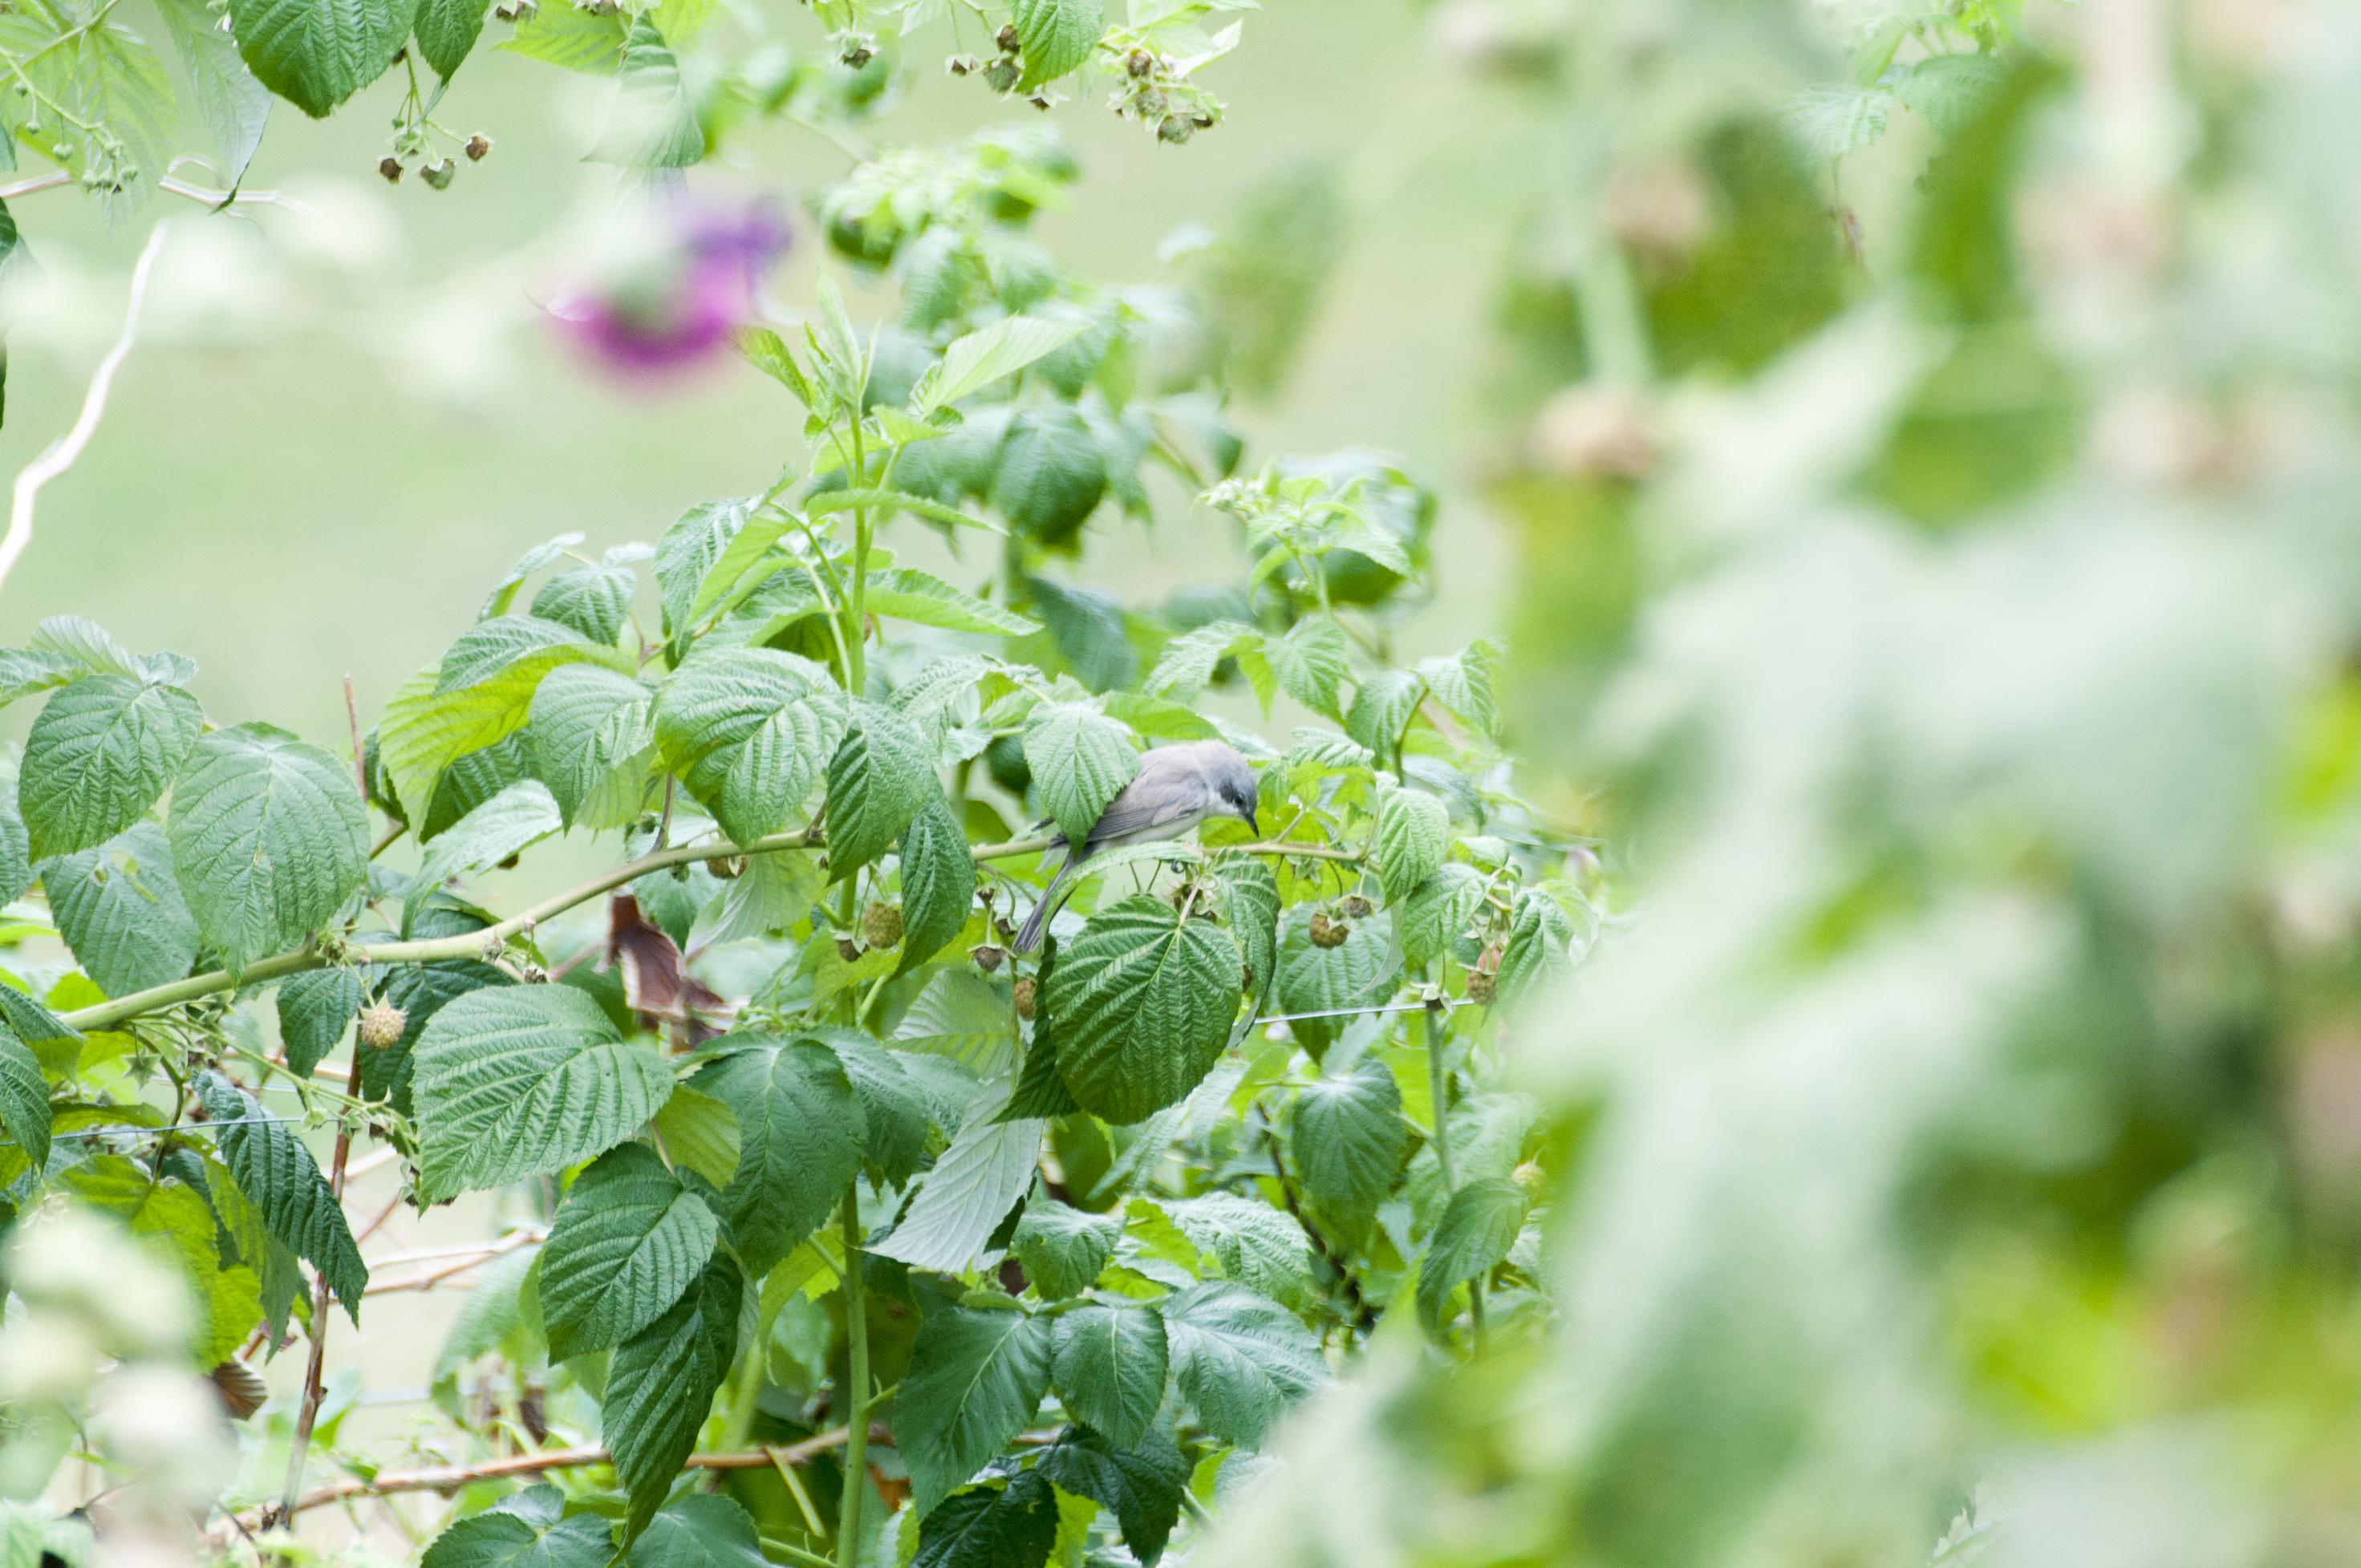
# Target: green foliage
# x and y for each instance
(269, 838)
(1144, 1000)
(976, 1378)
(629, 1241)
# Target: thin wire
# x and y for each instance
(150, 1131)
(1444, 1003)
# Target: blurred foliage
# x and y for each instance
(1935, 441)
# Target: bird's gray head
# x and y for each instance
(1232, 782)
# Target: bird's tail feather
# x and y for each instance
(1028, 935)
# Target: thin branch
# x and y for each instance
(309, 1410)
(448, 1478)
(477, 944)
(67, 449)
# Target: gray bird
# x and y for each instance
(1176, 788)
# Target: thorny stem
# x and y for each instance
(475, 943)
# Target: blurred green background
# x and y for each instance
(285, 436)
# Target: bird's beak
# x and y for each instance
(1252, 826)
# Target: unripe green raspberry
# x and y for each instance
(1328, 933)
(381, 1025)
(988, 956)
(1025, 993)
(882, 925)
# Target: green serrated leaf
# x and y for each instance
(1438, 912)
(1309, 663)
(975, 1380)
(661, 1385)
(938, 883)
(969, 1190)
(1013, 1525)
(595, 601)
(629, 1240)
(513, 1081)
(316, 1010)
(802, 1138)
(530, 1529)
(882, 776)
(699, 1532)
(1357, 972)
(98, 756)
(975, 361)
(1141, 1485)
(269, 838)
(317, 53)
(1143, 1002)
(1056, 36)
(278, 1174)
(1539, 949)
(572, 37)
(594, 743)
(1241, 1359)
(232, 104)
(907, 594)
(1836, 119)
(1063, 1250)
(510, 822)
(446, 32)
(1478, 1226)
(1413, 834)
(1346, 1140)
(747, 730)
(1109, 1367)
(687, 552)
(1080, 759)
(655, 121)
(24, 1098)
(119, 908)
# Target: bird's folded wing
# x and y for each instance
(1126, 816)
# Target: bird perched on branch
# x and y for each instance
(1176, 787)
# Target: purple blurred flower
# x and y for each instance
(678, 303)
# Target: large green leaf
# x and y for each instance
(1056, 36)
(101, 89)
(1357, 972)
(1143, 1002)
(594, 600)
(1346, 1142)
(969, 1190)
(119, 908)
(269, 838)
(24, 1098)
(662, 1381)
(907, 594)
(1539, 949)
(975, 1379)
(594, 743)
(1382, 709)
(629, 1240)
(1413, 833)
(1109, 1366)
(1241, 1359)
(1310, 664)
(510, 822)
(962, 1016)
(985, 356)
(882, 776)
(688, 550)
(1141, 1485)
(749, 731)
(316, 1010)
(98, 756)
(1478, 1226)
(1080, 759)
(1064, 1249)
(1051, 475)
(278, 1174)
(231, 105)
(530, 1529)
(1258, 1246)
(991, 1525)
(513, 1081)
(938, 882)
(448, 31)
(1431, 921)
(174, 1220)
(699, 1532)
(317, 53)
(573, 38)
(802, 1136)
(481, 692)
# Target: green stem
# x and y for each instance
(475, 943)
(1438, 1087)
(856, 1330)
